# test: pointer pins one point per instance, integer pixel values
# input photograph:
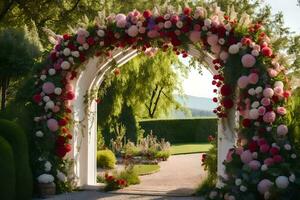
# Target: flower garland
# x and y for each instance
(244, 59)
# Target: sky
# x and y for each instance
(200, 85)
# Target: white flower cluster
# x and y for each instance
(45, 178)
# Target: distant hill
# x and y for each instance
(198, 106)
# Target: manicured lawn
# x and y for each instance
(146, 169)
(189, 148)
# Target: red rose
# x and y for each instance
(277, 159)
(187, 10)
(246, 122)
(226, 90)
(90, 41)
(66, 36)
(81, 57)
(72, 47)
(267, 51)
(175, 42)
(70, 95)
(274, 150)
(252, 146)
(68, 110)
(68, 148)
(69, 136)
(62, 122)
(37, 98)
(159, 19)
(215, 99)
(60, 140)
(53, 56)
(227, 103)
(60, 151)
(147, 14)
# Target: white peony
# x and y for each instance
(47, 166)
(45, 178)
(51, 71)
(58, 91)
(282, 182)
(39, 134)
(65, 65)
(66, 52)
(61, 176)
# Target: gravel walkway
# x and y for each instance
(176, 180)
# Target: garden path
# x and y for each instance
(176, 180)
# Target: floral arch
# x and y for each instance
(250, 82)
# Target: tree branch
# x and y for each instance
(156, 102)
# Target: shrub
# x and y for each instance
(7, 171)
(17, 139)
(163, 155)
(195, 130)
(130, 175)
(106, 159)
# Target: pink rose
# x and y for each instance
(281, 110)
(243, 82)
(269, 117)
(268, 92)
(195, 36)
(264, 186)
(133, 31)
(265, 101)
(254, 165)
(212, 39)
(261, 110)
(278, 91)
(229, 156)
(264, 148)
(80, 39)
(272, 72)
(282, 130)
(246, 157)
(152, 34)
(253, 78)
(269, 161)
(216, 49)
(239, 151)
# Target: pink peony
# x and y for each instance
(224, 55)
(269, 161)
(264, 148)
(253, 78)
(246, 157)
(248, 60)
(268, 92)
(265, 101)
(254, 164)
(272, 72)
(80, 39)
(52, 124)
(120, 16)
(282, 130)
(269, 117)
(121, 23)
(195, 36)
(56, 109)
(264, 186)
(212, 40)
(243, 82)
(281, 110)
(261, 110)
(133, 31)
(152, 34)
(48, 87)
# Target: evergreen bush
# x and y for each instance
(106, 159)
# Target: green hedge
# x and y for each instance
(18, 141)
(7, 171)
(194, 130)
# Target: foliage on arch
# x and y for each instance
(263, 164)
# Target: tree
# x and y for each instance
(17, 55)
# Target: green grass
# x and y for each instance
(189, 148)
(146, 169)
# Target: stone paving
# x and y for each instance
(177, 179)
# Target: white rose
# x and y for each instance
(243, 188)
(258, 90)
(46, 98)
(45, 178)
(251, 91)
(255, 104)
(287, 147)
(256, 123)
(294, 156)
(233, 49)
(36, 119)
(292, 178)
(168, 24)
(254, 53)
(43, 77)
(179, 24)
(51, 71)
(66, 51)
(228, 27)
(100, 33)
(253, 113)
(221, 41)
(264, 167)
(47, 166)
(65, 65)
(238, 181)
(61, 176)
(85, 46)
(254, 155)
(39, 134)
(204, 28)
(58, 91)
(267, 195)
(269, 128)
(282, 182)
(80, 48)
(71, 60)
(101, 43)
(75, 54)
(278, 84)
(207, 22)
(49, 105)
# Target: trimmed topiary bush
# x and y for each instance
(18, 141)
(7, 171)
(106, 159)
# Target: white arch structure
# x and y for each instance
(85, 115)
